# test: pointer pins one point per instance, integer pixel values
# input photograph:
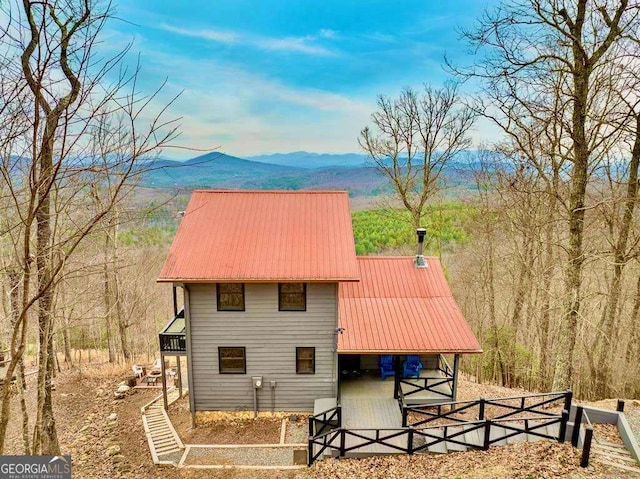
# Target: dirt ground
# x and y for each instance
(84, 402)
(263, 430)
(82, 405)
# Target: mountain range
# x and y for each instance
(288, 171)
(292, 171)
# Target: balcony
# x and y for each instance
(172, 337)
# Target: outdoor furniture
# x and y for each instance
(138, 370)
(412, 366)
(386, 366)
(157, 367)
(150, 380)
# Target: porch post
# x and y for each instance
(187, 324)
(456, 366)
(179, 360)
(164, 382)
(175, 301)
(396, 377)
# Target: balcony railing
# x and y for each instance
(173, 337)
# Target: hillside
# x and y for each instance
(304, 159)
(290, 171)
(219, 170)
(95, 422)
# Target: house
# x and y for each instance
(279, 312)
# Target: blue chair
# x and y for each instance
(412, 366)
(386, 366)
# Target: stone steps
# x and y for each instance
(614, 456)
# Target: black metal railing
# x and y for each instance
(326, 432)
(444, 367)
(411, 386)
(321, 427)
(582, 416)
(173, 338)
(173, 343)
(501, 408)
(410, 440)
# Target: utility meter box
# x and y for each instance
(257, 382)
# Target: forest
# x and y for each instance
(541, 250)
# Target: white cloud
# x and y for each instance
(213, 35)
(243, 113)
(328, 33)
(307, 44)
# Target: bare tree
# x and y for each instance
(581, 47)
(413, 138)
(53, 103)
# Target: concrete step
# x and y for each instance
(618, 456)
(452, 446)
(475, 437)
(607, 446)
(439, 448)
(522, 437)
(553, 430)
(540, 430)
(616, 465)
(497, 435)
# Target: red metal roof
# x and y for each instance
(263, 236)
(397, 308)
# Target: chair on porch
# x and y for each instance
(412, 366)
(386, 366)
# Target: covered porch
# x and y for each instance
(361, 378)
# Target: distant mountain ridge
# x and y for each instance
(305, 159)
(219, 170)
(288, 171)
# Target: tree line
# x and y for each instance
(551, 281)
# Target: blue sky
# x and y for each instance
(269, 76)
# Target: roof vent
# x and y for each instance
(420, 262)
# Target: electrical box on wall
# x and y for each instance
(257, 382)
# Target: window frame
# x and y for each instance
(313, 359)
(244, 359)
(220, 308)
(304, 293)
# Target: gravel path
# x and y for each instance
(242, 456)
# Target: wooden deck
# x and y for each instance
(363, 415)
(371, 386)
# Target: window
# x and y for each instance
(230, 296)
(232, 360)
(305, 360)
(292, 297)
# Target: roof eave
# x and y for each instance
(410, 351)
(258, 280)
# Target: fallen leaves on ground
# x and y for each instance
(518, 461)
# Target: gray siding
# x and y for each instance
(270, 338)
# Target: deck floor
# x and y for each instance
(363, 415)
(371, 386)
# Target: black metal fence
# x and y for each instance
(173, 343)
(516, 415)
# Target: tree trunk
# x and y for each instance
(45, 436)
(562, 377)
(607, 339)
(109, 301)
